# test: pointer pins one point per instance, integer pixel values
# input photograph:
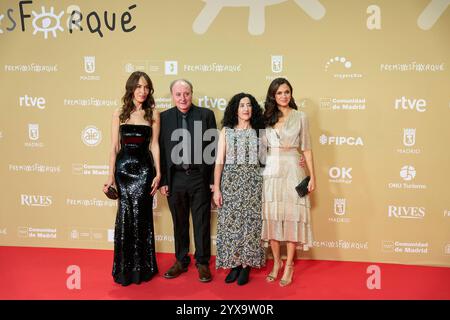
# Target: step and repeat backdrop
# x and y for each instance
(372, 76)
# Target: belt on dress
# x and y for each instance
(282, 149)
(187, 171)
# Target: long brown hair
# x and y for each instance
(127, 98)
(271, 112)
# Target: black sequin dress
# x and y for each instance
(134, 239)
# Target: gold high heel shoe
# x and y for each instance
(286, 279)
(272, 276)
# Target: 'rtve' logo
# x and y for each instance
(411, 104)
(28, 101)
(212, 103)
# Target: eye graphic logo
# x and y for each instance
(256, 20)
(42, 22)
(342, 60)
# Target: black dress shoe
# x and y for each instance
(204, 275)
(233, 274)
(175, 270)
(243, 276)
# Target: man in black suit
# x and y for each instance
(188, 138)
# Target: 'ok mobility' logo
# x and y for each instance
(50, 21)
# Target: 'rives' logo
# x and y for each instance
(406, 212)
(32, 200)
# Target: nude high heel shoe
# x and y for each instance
(288, 274)
(273, 275)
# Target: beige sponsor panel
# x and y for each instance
(372, 78)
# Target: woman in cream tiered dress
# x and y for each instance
(286, 216)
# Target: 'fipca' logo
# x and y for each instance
(91, 136)
(352, 141)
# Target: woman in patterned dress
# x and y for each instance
(238, 190)
(286, 216)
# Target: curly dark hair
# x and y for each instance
(230, 118)
(127, 98)
(271, 112)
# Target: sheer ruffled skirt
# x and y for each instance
(286, 216)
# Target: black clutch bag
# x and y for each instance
(112, 193)
(302, 187)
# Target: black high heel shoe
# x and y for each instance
(243, 276)
(233, 274)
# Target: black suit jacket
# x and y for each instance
(168, 125)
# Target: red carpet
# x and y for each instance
(40, 273)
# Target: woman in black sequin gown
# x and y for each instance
(135, 171)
